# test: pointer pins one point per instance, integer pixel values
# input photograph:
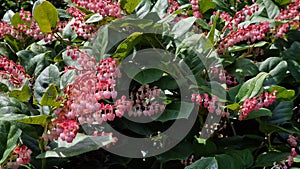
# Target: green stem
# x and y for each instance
(161, 165)
(41, 146)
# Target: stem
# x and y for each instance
(161, 165)
(41, 146)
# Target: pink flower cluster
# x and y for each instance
(22, 157)
(189, 161)
(146, 101)
(263, 100)
(79, 26)
(103, 7)
(173, 6)
(13, 72)
(27, 29)
(211, 104)
(195, 8)
(289, 160)
(223, 76)
(248, 34)
(240, 16)
(291, 14)
(62, 127)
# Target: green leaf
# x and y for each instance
(225, 161)
(282, 112)
(9, 136)
(206, 5)
(244, 156)
(67, 78)
(179, 152)
(282, 93)
(23, 95)
(203, 24)
(234, 106)
(182, 26)
(148, 76)
(211, 33)
(8, 16)
(126, 47)
(42, 120)
(277, 74)
(43, 81)
(129, 5)
(49, 98)
(204, 163)
(16, 20)
(251, 87)
(242, 47)
(243, 67)
(143, 8)
(15, 44)
(268, 158)
(293, 52)
(160, 7)
(81, 144)
(224, 6)
(46, 15)
(94, 18)
(294, 68)
(11, 108)
(32, 63)
(172, 111)
(259, 113)
(68, 32)
(282, 2)
(272, 9)
(167, 82)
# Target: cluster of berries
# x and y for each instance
(263, 100)
(21, 156)
(15, 74)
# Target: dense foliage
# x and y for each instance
(73, 73)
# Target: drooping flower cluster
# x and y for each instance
(223, 76)
(15, 74)
(248, 34)
(263, 100)
(103, 7)
(79, 25)
(29, 28)
(146, 101)
(290, 16)
(173, 6)
(189, 161)
(211, 104)
(21, 156)
(240, 16)
(195, 8)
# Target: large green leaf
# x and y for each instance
(272, 8)
(46, 15)
(282, 112)
(293, 52)
(259, 113)
(32, 63)
(211, 33)
(49, 98)
(129, 5)
(9, 136)
(277, 74)
(67, 78)
(241, 47)
(251, 87)
(23, 94)
(206, 5)
(244, 156)
(43, 81)
(179, 152)
(204, 163)
(267, 159)
(11, 108)
(172, 111)
(126, 47)
(294, 68)
(42, 120)
(182, 26)
(243, 67)
(94, 18)
(16, 20)
(160, 7)
(143, 8)
(226, 161)
(282, 93)
(148, 76)
(81, 144)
